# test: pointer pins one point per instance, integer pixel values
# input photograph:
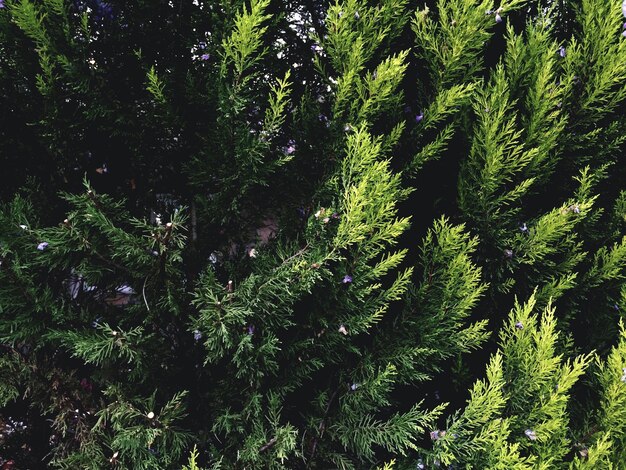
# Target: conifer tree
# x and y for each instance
(257, 234)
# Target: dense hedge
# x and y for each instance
(280, 234)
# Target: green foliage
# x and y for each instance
(142, 436)
(607, 436)
(245, 40)
(518, 415)
(155, 86)
(276, 235)
(11, 369)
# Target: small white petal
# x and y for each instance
(125, 289)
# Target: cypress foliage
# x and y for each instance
(262, 234)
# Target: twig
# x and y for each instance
(143, 291)
(270, 443)
(322, 425)
(194, 222)
(298, 253)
